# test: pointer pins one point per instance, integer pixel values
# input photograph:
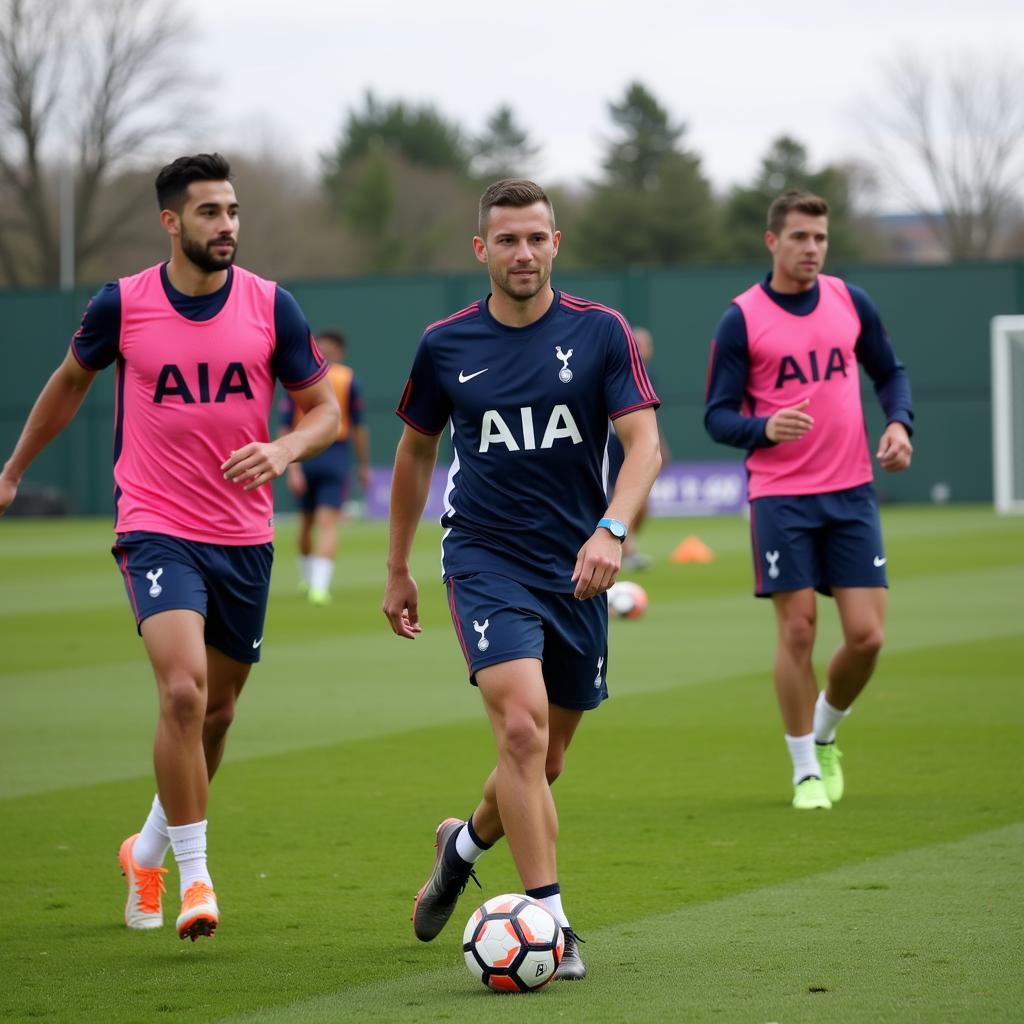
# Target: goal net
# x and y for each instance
(1008, 413)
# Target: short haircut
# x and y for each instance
(334, 334)
(794, 199)
(517, 192)
(173, 180)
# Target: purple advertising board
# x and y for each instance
(682, 489)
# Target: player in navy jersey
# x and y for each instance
(197, 343)
(528, 379)
(783, 383)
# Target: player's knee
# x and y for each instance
(867, 642)
(218, 719)
(798, 634)
(524, 737)
(183, 698)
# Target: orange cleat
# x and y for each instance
(199, 914)
(143, 909)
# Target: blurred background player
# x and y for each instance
(783, 383)
(321, 483)
(631, 557)
(528, 379)
(198, 344)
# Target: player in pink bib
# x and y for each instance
(198, 344)
(783, 383)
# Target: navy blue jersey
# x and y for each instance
(529, 410)
(96, 343)
(730, 364)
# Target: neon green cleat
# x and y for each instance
(809, 795)
(318, 596)
(831, 770)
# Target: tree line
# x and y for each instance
(83, 115)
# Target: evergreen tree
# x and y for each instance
(503, 150)
(420, 135)
(654, 206)
(786, 166)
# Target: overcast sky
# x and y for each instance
(738, 74)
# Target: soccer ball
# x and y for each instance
(626, 600)
(513, 944)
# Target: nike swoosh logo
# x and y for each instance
(463, 377)
(256, 643)
(879, 562)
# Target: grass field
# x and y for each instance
(702, 895)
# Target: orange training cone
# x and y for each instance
(693, 549)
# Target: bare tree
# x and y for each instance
(951, 141)
(86, 88)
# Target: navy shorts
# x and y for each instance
(497, 619)
(227, 584)
(817, 540)
(326, 478)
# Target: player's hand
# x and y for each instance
(894, 449)
(401, 605)
(8, 490)
(597, 565)
(255, 464)
(296, 480)
(789, 424)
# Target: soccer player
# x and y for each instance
(321, 483)
(528, 378)
(783, 383)
(197, 343)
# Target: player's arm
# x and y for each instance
(875, 353)
(600, 559)
(54, 409)
(728, 370)
(286, 417)
(298, 364)
(259, 462)
(410, 486)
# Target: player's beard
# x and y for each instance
(523, 292)
(201, 255)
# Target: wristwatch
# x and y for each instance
(615, 527)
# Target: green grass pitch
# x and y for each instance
(702, 895)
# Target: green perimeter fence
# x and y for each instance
(938, 317)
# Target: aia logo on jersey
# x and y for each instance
(790, 368)
(172, 382)
(494, 430)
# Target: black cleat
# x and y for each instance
(436, 900)
(571, 966)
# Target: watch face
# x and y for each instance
(614, 527)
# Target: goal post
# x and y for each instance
(1008, 413)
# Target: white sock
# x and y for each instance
(554, 907)
(805, 758)
(151, 846)
(826, 720)
(306, 568)
(466, 848)
(189, 842)
(321, 571)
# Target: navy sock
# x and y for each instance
(544, 890)
(476, 839)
